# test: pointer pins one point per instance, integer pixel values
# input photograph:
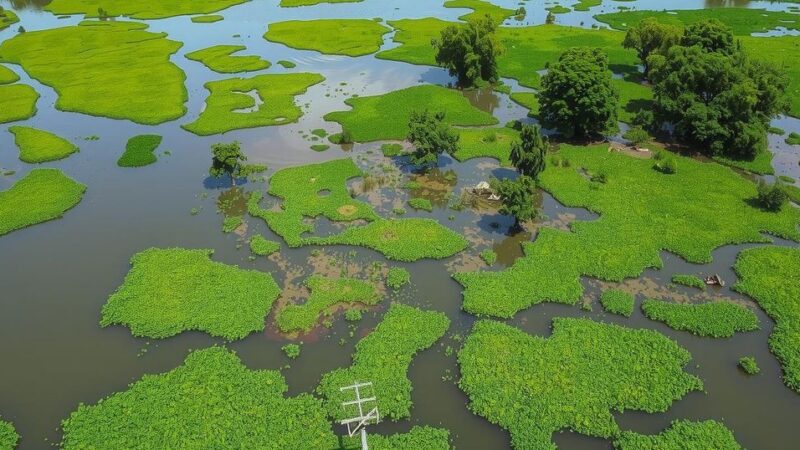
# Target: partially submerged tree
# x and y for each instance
(431, 136)
(517, 197)
(469, 51)
(227, 160)
(577, 97)
(773, 196)
(649, 37)
(528, 155)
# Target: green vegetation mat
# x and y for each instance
(782, 52)
(139, 151)
(287, 64)
(294, 3)
(719, 319)
(584, 5)
(528, 100)
(479, 9)
(761, 164)
(384, 117)
(617, 302)
(486, 143)
(749, 365)
(38, 146)
(419, 437)
(109, 69)
(642, 212)
(168, 291)
(7, 18)
(383, 357)
(219, 58)
(7, 75)
(321, 189)
(228, 102)
(681, 435)
(9, 436)
(769, 276)
(397, 277)
(793, 138)
(261, 246)
(17, 102)
(207, 19)
(143, 9)
(534, 386)
(421, 204)
(689, 280)
(349, 37)
(742, 21)
(211, 401)
(42, 195)
(326, 293)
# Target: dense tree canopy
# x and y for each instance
(227, 160)
(469, 51)
(517, 197)
(651, 36)
(711, 35)
(431, 136)
(577, 97)
(528, 155)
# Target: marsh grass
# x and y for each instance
(38, 146)
(690, 281)
(348, 37)
(221, 59)
(8, 435)
(717, 319)
(681, 435)
(42, 195)
(140, 151)
(142, 9)
(261, 246)
(617, 302)
(17, 102)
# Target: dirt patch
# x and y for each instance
(347, 210)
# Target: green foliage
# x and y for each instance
(7, 18)
(397, 277)
(320, 147)
(681, 435)
(577, 97)
(421, 203)
(353, 315)
(575, 379)
(387, 116)
(207, 19)
(469, 52)
(485, 142)
(292, 351)
(326, 293)
(261, 246)
(651, 36)
(528, 100)
(742, 21)
(295, 3)
(320, 189)
(517, 197)
(617, 302)
(431, 136)
(769, 276)
(585, 5)
(287, 64)
(104, 69)
(139, 151)
(231, 223)
(349, 37)
(749, 365)
(671, 214)
(689, 280)
(558, 9)
(8, 436)
(637, 135)
(793, 138)
(391, 150)
(42, 195)
(528, 156)
(219, 58)
(383, 357)
(17, 102)
(489, 257)
(772, 197)
(38, 146)
(226, 160)
(211, 401)
(7, 75)
(480, 9)
(276, 91)
(719, 319)
(419, 437)
(168, 291)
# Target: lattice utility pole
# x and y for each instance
(360, 422)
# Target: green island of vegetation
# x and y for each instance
(719, 319)
(207, 19)
(7, 18)
(535, 386)
(386, 117)
(383, 357)
(38, 146)
(109, 69)
(262, 246)
(212, 400)
(168, 291)
(672, 214)
(479, 9)
(769, 276)
(296, 3)
(742, 21)
(229, 107)
(220, 58)
(9, 436)
(326, 293)
(749, 365)
(42, 195)
(7, 75)
(349, 37)
(681, 434)
(690, 281)
(321, 189)
(617, 302)
(486, 143)
(17, 102)
(397, 277)
(144, 9)
(140, 151)
(419, 437)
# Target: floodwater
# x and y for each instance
(55, 277)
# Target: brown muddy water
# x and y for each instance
(55, 277)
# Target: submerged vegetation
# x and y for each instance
(349, 37)
(140, 151)
(617, 302)
(168, 291)
(42, 195)
(38, 146)
(210, 400)
(534, 386)
(220, 58)
(719, 319)
(383, 357)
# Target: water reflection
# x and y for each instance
(484, 99)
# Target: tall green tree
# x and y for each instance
(517, 198)
(431, 136)
(528, 154)
(227, 159)
(577, 97)
(469, 52)
(711, 35)
(651, 36)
